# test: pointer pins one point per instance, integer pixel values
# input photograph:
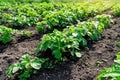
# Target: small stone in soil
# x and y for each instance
(17, 58)
(105, 60)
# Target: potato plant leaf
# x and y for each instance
(78, 54)
(36, 65)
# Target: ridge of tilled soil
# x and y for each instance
(85, 68)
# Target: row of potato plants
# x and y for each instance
(51, 14)
(57, 46)
(70, 15)
(72, 37)
(7, 34)
(116, 9)
(18, 15)
(24, 14)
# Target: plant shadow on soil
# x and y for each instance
(85, 68)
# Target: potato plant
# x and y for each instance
(68, 16)
(105, 19)
(116, 10)
(26, 66)
(5, 34)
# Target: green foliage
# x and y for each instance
(25, 33)
(70, 15)
(116, 10)
(42, 26)
(24, 1)
(26, 67)
(58, 42)
(104, 19)
(112, 73)
(56, 15)
(6, 18)
(94, 29)
(5, 34)
(58, 19)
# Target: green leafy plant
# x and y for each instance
(42, 26)
(104, 19)
(59, 19)
(26, 67)
(58, 42)
(25, 33)
(94, 29)
(57, 15)
(6, 18)
(112, 73)
(116, 10)
(5, 34)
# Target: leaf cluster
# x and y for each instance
(26, 66)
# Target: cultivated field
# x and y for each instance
(59, 40)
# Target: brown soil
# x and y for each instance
(85, 68)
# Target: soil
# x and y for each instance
(99, 56)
